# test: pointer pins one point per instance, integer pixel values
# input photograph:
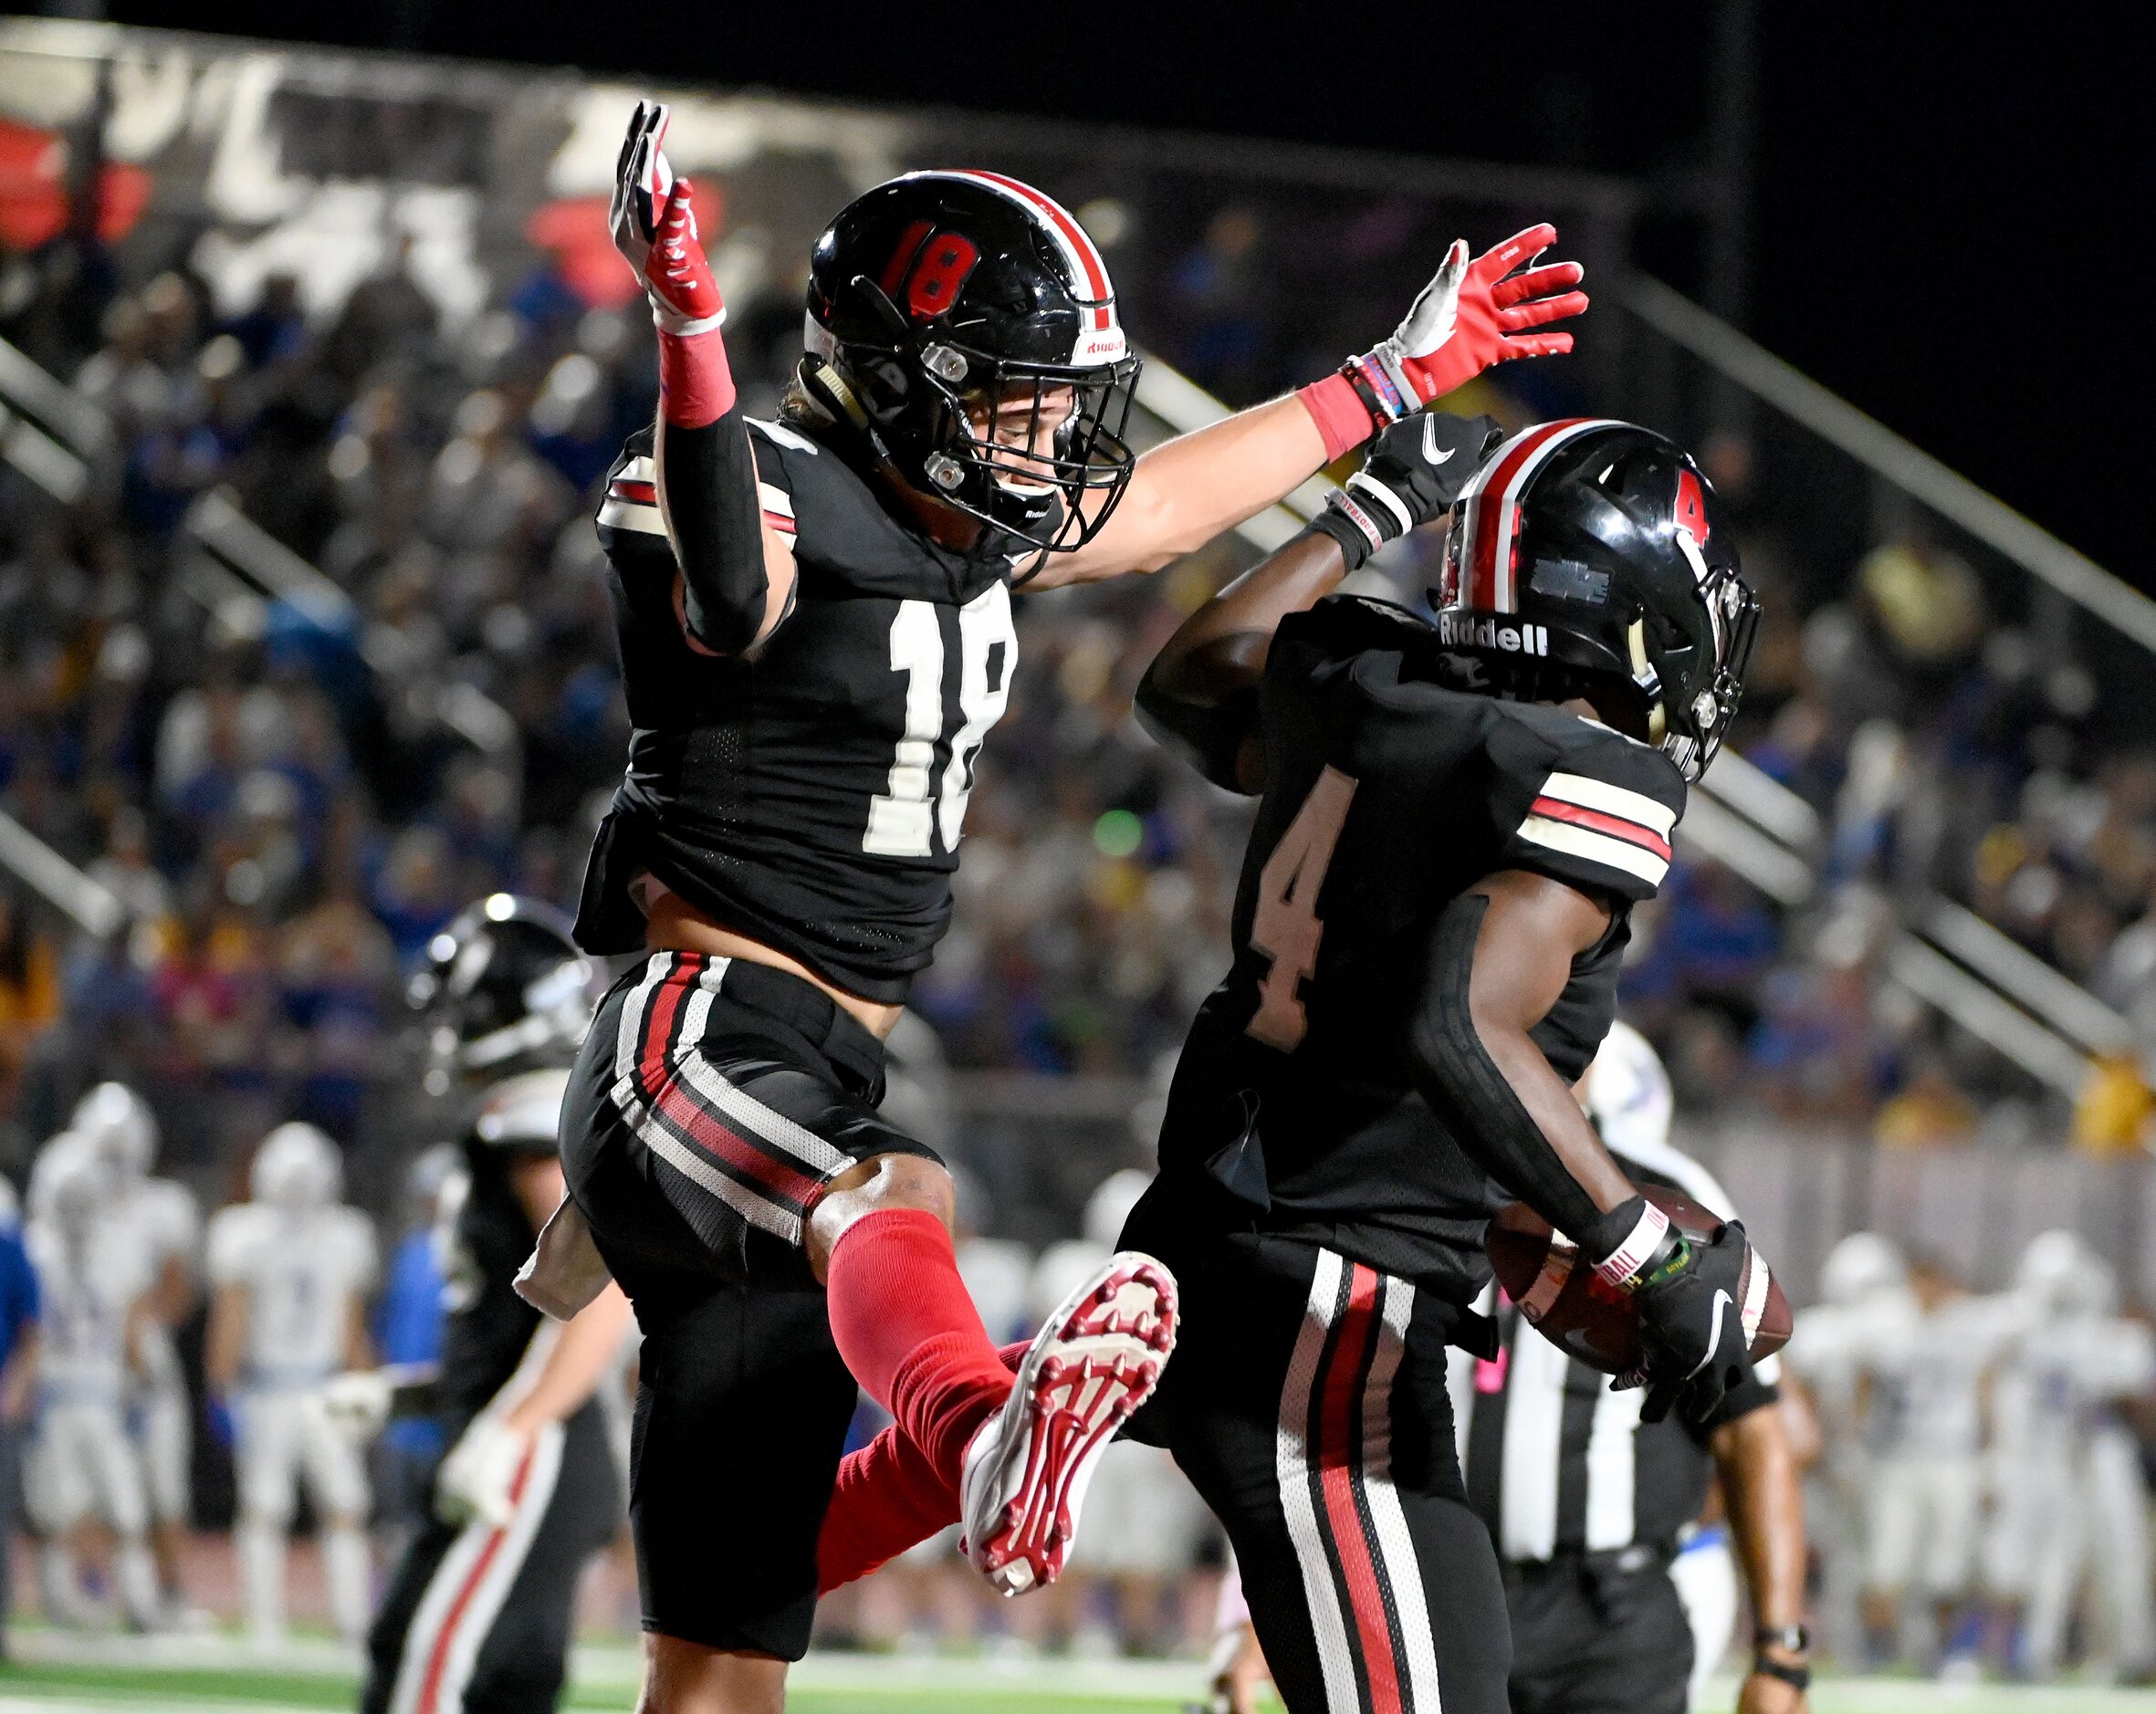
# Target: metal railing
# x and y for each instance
(1899, 462)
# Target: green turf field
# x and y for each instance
(207, 1675)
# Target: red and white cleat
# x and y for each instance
(1093, 1362)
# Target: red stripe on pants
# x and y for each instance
(438, 1658)
(658, 1024)
(709, 1133)
(1340, 1461)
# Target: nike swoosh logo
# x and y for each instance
(1429, 443)
(1723, 1303)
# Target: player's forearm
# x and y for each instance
(20, 1379)
(172, 1298)
(222, 1343)
(1199, 695)
(1759, 1474)
(358, 1344)
(585, 1350)
(1500, 959)
(1188, 490)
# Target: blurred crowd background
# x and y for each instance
(306, 649)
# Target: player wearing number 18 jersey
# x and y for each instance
(815, 631)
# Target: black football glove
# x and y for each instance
(1691, 1324)
(1415, 471)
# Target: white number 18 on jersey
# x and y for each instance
(1286, 928)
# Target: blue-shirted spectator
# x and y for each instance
(18, 1375)
(408, 1329)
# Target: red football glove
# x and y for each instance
(1472, 315)
(654, 226)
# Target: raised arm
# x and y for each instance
(737, 575)
(1199, 697)
(1473, 315)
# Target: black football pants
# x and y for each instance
(1603, 1633)
(1306, 1401)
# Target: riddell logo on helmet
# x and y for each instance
(1464, 631)
(1107, 346)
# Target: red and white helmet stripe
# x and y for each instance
(1100, 337)
(1489, 511)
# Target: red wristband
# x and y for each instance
(1341, 417)
(696, 383)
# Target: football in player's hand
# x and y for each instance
(1561, 1294)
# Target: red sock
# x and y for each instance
(909, 1332)
(889, 1497)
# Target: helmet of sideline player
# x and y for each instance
(965, 324)
(297, 1167)
(120, 1124)
(1588, 557)
(1861, 1266)
(76, 1181)
(522, 1114)
(1628, 1094)
(504, 990)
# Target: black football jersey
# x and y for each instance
(1389, 791)
(486, 1327)
(808, 793)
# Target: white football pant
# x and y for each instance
(285, 1438)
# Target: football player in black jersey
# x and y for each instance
(814, 620)
(1455, 822)
(477, 1613)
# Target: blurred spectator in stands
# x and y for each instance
(335, 974)
(275, 328)
(1928, 1110)
(124, 868)
(417, 891)
(387, 318)
(1221, 298)
(1927, 605)
(2113, 1112)
(1712, 942)
(1819, 1049)
(30, 986)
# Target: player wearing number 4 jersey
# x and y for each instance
(1455, 822)
(815, 637)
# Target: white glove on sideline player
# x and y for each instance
(358, 1402)
(477, 1480)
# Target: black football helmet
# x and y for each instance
(504, 990)
(1586, 556)
(937, 296)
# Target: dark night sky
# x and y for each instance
(1941, 208)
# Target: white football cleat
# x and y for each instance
(1093, 1362)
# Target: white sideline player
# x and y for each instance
(95, 1288)
(291, 1269)
(2062, 1507)
(159, 1216)
(1925, 1358)
(1825, 1357)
